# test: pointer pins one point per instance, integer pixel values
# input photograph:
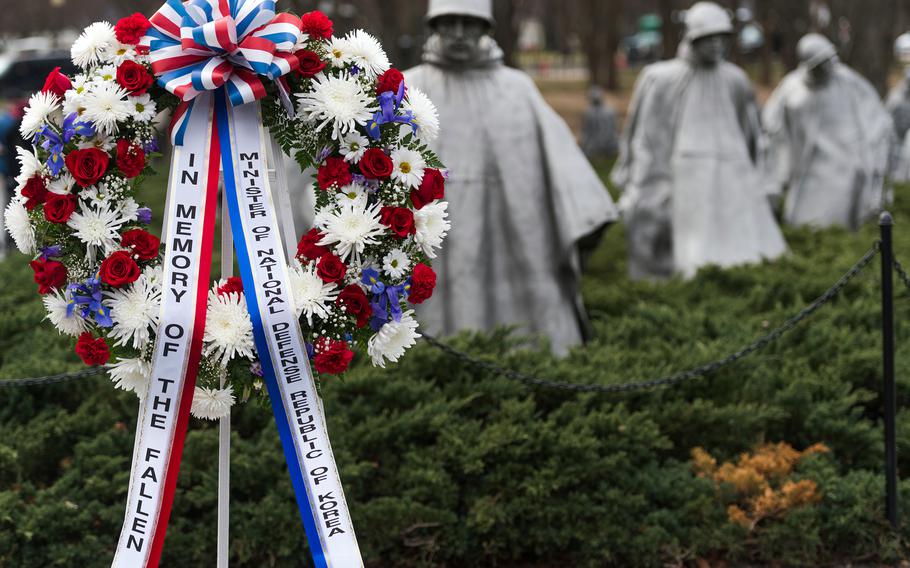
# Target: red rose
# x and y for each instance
(423, 281)
(389, 81)
(119, 269)
(310, 63)
(234, 285)
(431, 188)
(376, 164)
(92, 351)
(59, 207)
(134, 77)
(308, 249)
(49, 274)
(356, 303)
(330, 268)
(399, 219)
(57, 83)
(131, 29)
(130, 158)
(35, 192)
(332, 356)
(316, 25)
(142, 243)
(334, 171)
(87, 166)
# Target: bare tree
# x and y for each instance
(865, 33)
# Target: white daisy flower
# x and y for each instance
(143, 108)
(339, 52)
(228, 327)
(426, 117)
(41, 108)
(29, 165)
(62, 184)
(311, 296)
(339, 102)
(366, 53)
(105, 74)
(393, 339)
(396, 263)
(20, 226)
(353, 146)
(56, 303)
(212, 404)
(350, 228)
(73, 102)
(97, 227)
(408, 167)
(129, 209)
(100, 140)
(131, 375)
(432, 225)
(351, 194)
(120, 52)
(105, 106)
(134, 311)
(92, 46)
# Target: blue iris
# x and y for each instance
(54, 142)
(389, 105)
(86, 297)
(385, 300)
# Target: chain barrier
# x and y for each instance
(530, 380)
(901, 273)
(51, 379)
(675, 378)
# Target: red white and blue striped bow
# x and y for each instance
(203, 45)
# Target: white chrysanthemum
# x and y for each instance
(432, 225)
(73, 103)
(41, 108)
(134, 311)
(339, 102)
(63, 184)
(408, 166)
(339, 52)
(393, 339)
(212, 404)
(426, 117)
(396, 263)
(311, 296)
(142, 108)
(20, 226)
(105, 106)
(366, 53)
(29, 165)
(228, 327)
(97, 227)
(353, 193)
(132, 375)
(93, 45)
(56, 302)
(350, 228)
(353, 146)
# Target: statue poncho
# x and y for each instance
(830, 145)
(692, 191)
(521, 195)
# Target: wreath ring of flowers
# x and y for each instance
(380, 211)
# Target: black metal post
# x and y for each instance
(890, 391)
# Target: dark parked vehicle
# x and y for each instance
(21, 74)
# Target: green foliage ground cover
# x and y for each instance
(446, 466)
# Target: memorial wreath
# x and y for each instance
(238, 79)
